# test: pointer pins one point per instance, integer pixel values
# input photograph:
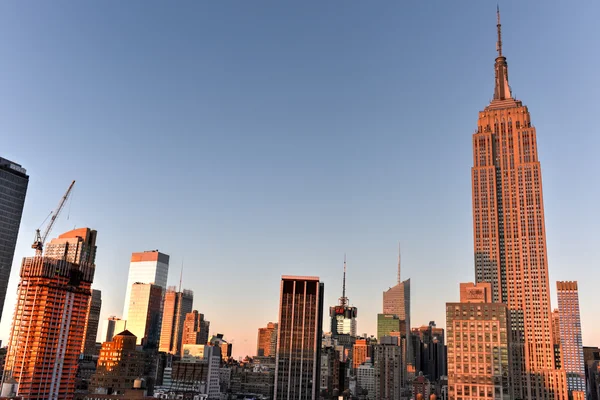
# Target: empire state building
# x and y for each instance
(510, 236)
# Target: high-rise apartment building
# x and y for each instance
(365, 379)
(298, 362)
(13, 186)
(195, 328)
(91, 323)
(509, 234)
(119, 364)
(267, 340)
(343, 316)
(570, 336)
(478, 345)
(49, 322)
(361, 351)
(145, 306)
(176, 306)
(146, 267)
(387, 362)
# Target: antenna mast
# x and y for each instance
(344, 299)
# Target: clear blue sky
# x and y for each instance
(253, 139)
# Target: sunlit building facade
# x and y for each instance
(146, 267)
(570, 335)
(48, 327)
(195, 328)
(176, 306)
(298, 362)
(267, 340)
(510, 235)
(144, 321)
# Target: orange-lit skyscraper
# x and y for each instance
(175, 308)
(267, 340)
(510, 237)
(570, 335)
(195, 328)
(49, 322)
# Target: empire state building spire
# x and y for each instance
(502, 89)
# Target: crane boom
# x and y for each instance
(38, 245)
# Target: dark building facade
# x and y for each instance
(91, 323)
(298, 361)
(430, 350)
(13, 187)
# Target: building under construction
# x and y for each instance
(50, 317)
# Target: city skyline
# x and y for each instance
(271, 254)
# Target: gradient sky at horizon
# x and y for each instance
(253, 139)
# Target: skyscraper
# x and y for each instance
(387, 361)
(91, 323)
(49, 322)
(146, 267)
(176, 306)
(343, 316)
(570, 335)
(509, 234)
(432, 352)
(195, 328)
(298, 361)
(388, 323)
(13, 186)
(114, 325)
(478, 345)
(267, 340)
(145, 307)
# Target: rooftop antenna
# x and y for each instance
(499, 26)
(399, 263)
(343, 299)
(181, 275)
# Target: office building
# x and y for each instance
(556, 339)
(431, 350)
(146, 267)
(298, 361)
(226, 347)
(332, 378)
(114, 325)
(175, 309)
(362, 350)
(91, 323)
(570, 336)
(13, 186)
(267, 340)
(387, 362)
(591, 357)
(198, 369)
(509, 234)
(48, 327)
(343, 316)
(145, 305)
(388, 323)
(478, 345)
(119, 364)
(195, 328)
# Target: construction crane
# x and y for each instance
(40, 239)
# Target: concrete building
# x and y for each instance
(362, 350)
(298, 362)
(195, 328)
(331, 378)
(556, 339)
(145, 306)
(49, 322)
(570, 336)
(198, 369)
(146, 267)
(176, 306)
(266, 343)
(387, 361)
(13, 186)
(91, 323)
(119, 365)
(421, 386)
(478, 345)
(510, 235)
(226, 347)
(365, 378)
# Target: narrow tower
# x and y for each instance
(510, 234)
(343, 316)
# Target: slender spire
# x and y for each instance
(181, 275)
(399, 259)
(499, 26)
(344, 299)
(502, 89)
